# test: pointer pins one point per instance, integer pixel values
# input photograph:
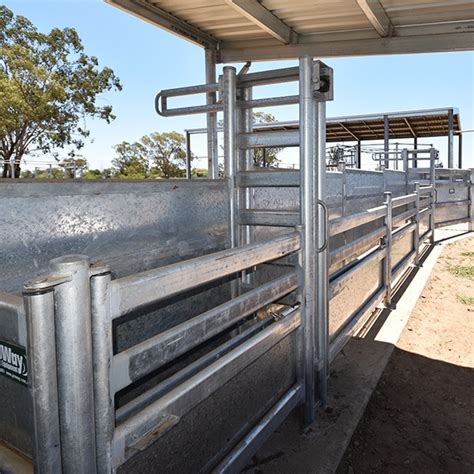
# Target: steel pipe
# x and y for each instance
(145, 427)
(308, 213)
(102, 346)
(343, 224)
(42, 375)
(387, 268)
(212, 142)
(416, 233)
(153, 353)
(151, 286)
(322, 260)
(74, 362)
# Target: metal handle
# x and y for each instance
(157, 104)
(326, 237)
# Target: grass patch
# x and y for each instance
(463, 271)
(467, 300)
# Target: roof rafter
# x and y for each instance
(349, 132)
(410, 127)
(265, 19)
(376, 14)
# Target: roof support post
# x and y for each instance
(188, 155)
(460, 151)
(450, 139)
(212, 146)
(359, 155)
(415, 146)
(386, 139)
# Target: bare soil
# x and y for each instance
(420, 418)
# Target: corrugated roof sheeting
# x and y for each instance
(277, 29)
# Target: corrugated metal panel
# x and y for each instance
(246, 29)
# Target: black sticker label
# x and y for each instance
(13, 362)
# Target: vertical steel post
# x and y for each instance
(188, 155)
(359, 155)
(460, 151)
(386, 139)
(471, 203)
(322, 264)
(102, 349)
(450, 138)
(406, 169)
(212, 145)
(74, 360)
(307, 207)
(434, 194)
(388, 249)
(230, 146)
(229, 99)
(415, 147)
(246, 163)
(41, 351)
(416, 233)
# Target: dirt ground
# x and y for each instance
(420, 419)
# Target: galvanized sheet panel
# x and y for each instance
(357, 291)
(401, 248)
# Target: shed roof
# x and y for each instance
(277, 29)
(370, 127)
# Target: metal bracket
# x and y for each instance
(45, 282)
(323, 84)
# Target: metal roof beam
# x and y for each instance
(430, 43)
(265, 19)
(349, 132)
(163, 19)
(375, 13)
(410, 127)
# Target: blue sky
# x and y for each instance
(148, 59)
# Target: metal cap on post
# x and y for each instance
(74, 364)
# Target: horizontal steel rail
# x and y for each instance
(404, 216)
(145, 427)
(460, 220)
(268, 102)
(275, 76)
(426, 189)
(269, 178)
(151, 286)
(149, 355)
(283, 138)
(152, 394)
(343, 224)
(351, 249)
(462, 202)
(273, 218)
(403, 200)
(337, 285)
(402, 231)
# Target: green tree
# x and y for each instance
(167, 153)
(131, 161)
(262, 157)
(265, 157)
(74, 167)
(48, 86)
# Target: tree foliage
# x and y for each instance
(48, 86)
(157, 155)
(265, 157)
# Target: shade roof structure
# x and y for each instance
(409, 124)
(371, 127)
(241, 30)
